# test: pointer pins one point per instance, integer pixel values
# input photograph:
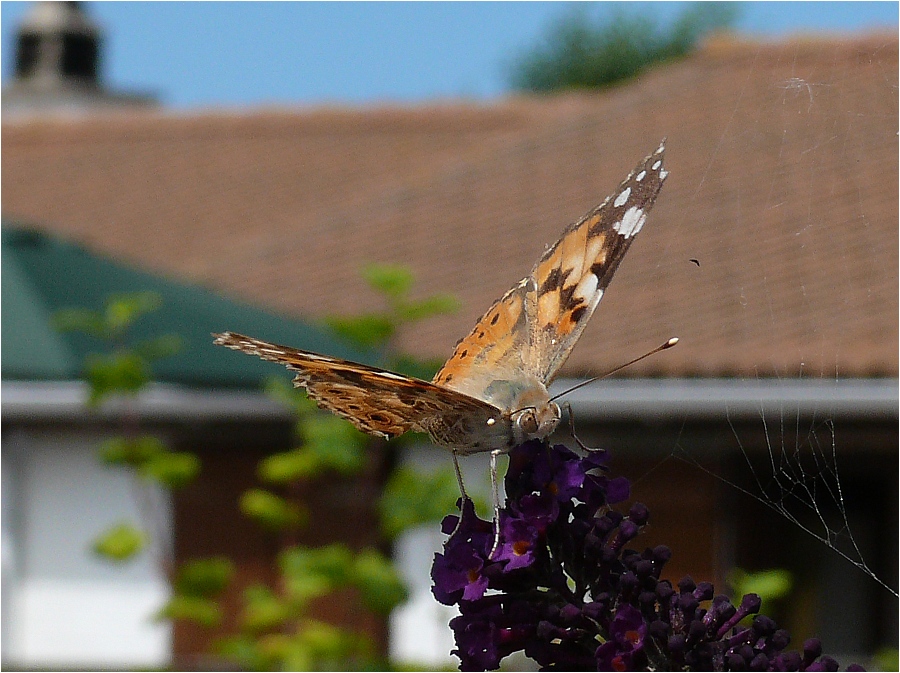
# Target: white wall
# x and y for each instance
(62, 605)
(419, 629)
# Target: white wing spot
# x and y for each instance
(622, 198)
(392, 375)
(586, 287)
(641, 176)
(663, 174)
(656, 164)
(313, 356)
(491, 421)
(631, 222)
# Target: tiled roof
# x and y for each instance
(783, 185)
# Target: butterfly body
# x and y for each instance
(492, 393)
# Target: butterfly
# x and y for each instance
(492, 393)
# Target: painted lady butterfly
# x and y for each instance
(492, 393)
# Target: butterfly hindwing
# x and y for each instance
(376, 401)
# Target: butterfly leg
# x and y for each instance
(495, 493)
(568, 408)
(462, 490)
(459, 479)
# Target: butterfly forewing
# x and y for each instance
(498, 346)
(572, 275)
(376, 401)
(532, 329)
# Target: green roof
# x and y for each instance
(43, 274)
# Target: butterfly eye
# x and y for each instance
(528, 422)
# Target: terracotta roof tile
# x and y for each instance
(783, 184)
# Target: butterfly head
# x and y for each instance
(535, 422)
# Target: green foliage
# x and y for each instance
(336, 444)
(170, 469)
(310, 573)
(196, 585)
(272, 511)
(310, 646)
(131, 451)
(277, 635)
(121, 372)
(378, 582)
(124, 370)
(394, 283)
(159, 347)
(412, 498)
(887, 659)
(120, 543)
(264, 610)
(275, 629)
(152, 460)
(770, 584)
(204, 577)
(119, 313)
(326, 443)
(288, 466)
(579, 53)
(203, 611)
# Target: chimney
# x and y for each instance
(57, 66)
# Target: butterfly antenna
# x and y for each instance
(671, 342)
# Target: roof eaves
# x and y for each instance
(41, 401)
(733, 399)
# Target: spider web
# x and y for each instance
(808, 465)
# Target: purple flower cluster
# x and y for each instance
(563, 587)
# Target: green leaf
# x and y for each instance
(412, 498)
(333, 562)
(120, 543)
(196, 609)
(283, 468)
(366, 331)
(80, 320)
(392, 280)
(272, 511)
(335, 443)
(380, 586)
(243, 650)
(302, 588)
(202, 578)
(887, 659)
(159, 347)
(120, 372)
(133, 452)
(123, 309)
(436, 304)
(328, 648)
(768, 584)
(174, 470)
(263, 610)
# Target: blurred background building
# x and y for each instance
(771, 253)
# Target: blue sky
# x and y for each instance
(203, 54)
